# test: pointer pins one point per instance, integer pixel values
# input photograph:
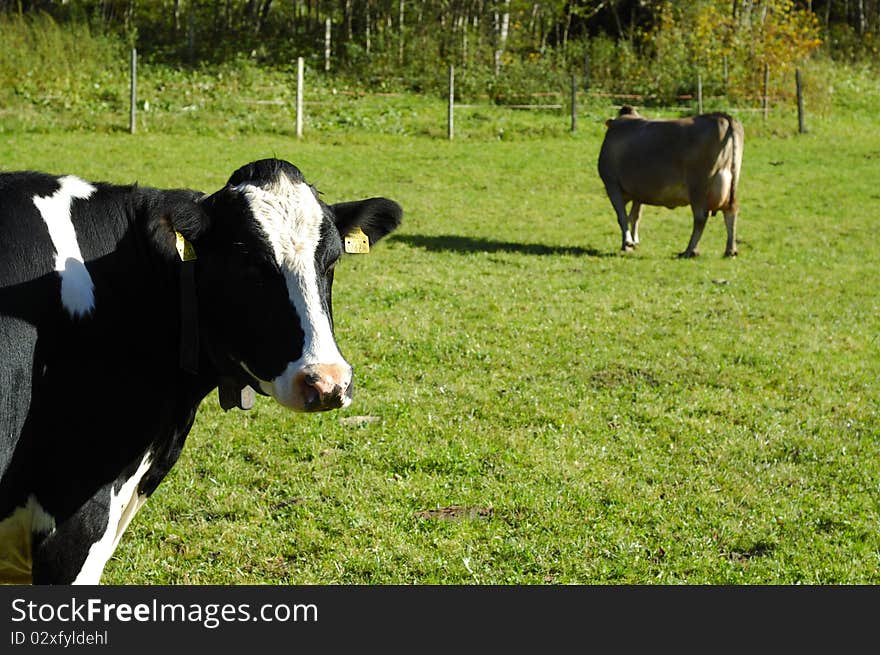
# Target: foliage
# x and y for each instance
(703, 38)
(654, 48)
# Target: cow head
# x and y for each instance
(264, 278)
(626, 111)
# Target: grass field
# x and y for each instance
(548, 410)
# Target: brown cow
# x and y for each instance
(692, 161)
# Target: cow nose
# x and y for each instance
(325, 387)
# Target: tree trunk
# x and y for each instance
(400, 32)
(565, 34)
(367, 29)
(533, 16)
(475, 23)
(464, 43)
(129, 14)
(262, 16)
(503, 28)
(745, 12)
(543, 32)
(613, 6)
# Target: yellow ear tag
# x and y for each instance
(356, 242)
(185, 250)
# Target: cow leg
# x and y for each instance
(79, 549)
(635, 213)
(76, 552)
(700, 217)
(730, 222)
(619, 204)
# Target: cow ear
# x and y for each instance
(377, 217)
(177, 211)
(192, 218)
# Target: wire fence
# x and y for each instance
(566, 104)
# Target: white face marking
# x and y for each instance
(16, 536)
(122, 508)
(77, 289)
(291, 217)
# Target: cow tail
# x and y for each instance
(734, 173)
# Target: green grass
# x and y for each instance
(600, 418)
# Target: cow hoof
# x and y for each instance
(730, 254)
(628, 248)
(688, 254)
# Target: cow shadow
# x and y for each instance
(463, 244)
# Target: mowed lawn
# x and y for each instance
(544, 410)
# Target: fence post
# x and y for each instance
(132, 123)
(450, 115)
(766, 101)
(800, 100)
(574, 112)
(699, 93)
(327, 30)
(299, 97)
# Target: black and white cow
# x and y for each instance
(111, 334)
